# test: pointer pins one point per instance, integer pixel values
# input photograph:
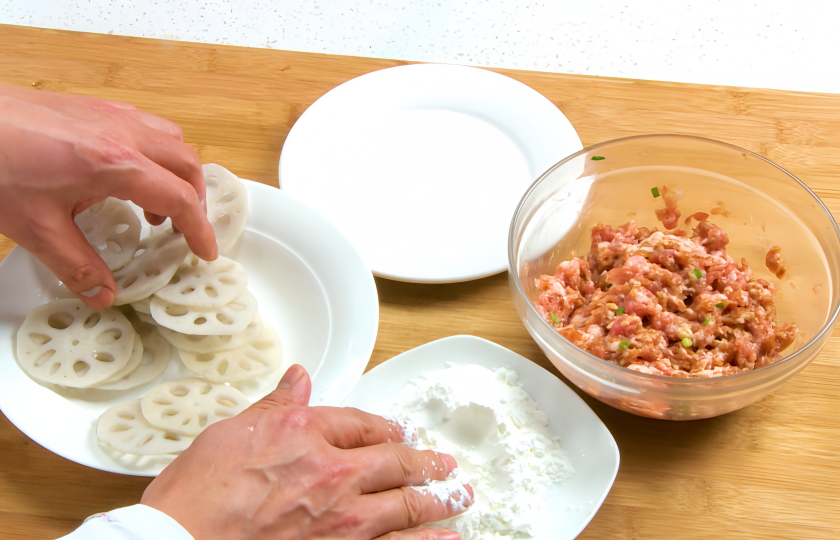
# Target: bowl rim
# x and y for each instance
(622, 370)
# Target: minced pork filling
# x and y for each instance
(665, 304)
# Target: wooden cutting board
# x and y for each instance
(771, 470)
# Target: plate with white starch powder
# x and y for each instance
(540, 461)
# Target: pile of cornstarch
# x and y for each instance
(501, 440)
(165, 297)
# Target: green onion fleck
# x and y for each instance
(707, 321)
(623, 345)
(698, 274)
(620, 311)
(554, 318)
(598, 158)
(609, 285)
(686, 342)
(720, 305)
(655, 192)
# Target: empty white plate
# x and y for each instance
(422, 166)
(311, 286)
(587, 441)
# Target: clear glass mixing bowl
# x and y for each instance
(757, 203)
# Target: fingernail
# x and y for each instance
(99, 296)
(108, 296)
(92, 292)
(292, 376)
(449, 461)
(449, 535)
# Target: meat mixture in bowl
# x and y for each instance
(665, 304)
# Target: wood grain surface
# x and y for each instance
(771, 470)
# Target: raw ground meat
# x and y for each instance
(665, 304)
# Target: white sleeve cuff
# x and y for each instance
(138, 522)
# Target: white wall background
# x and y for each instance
(793, 45)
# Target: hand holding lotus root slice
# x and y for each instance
(227, 205)
(113, 229)
(123, 427)
(231, 318)
(259, 357)
(206, 285)
(189, 406)
(68, 343)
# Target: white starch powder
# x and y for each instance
(500, 438)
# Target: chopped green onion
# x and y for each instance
(620, 311)
(720, 305)
(655, 192)
(598, 158)
(686, 342)
(623, 345)
(707, 321)
(554, 318)
(698, 274)
(609, 285)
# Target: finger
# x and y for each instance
(346, 427)
(119, 104)
(155, 122)
(422, 534)
(294, 388)
(62, 247)
(177, 157)
(48, 97)
(153, 219)
(187, 172)
(134, 177)
(409, 507)
(393, 465)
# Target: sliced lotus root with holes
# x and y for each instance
(259, 357)
(68, 343)
(153, 265)
(147, 318)
(231, 318)
(123, 427)
(203, 284)
(188, 406)
(142, 305)
(113, 229)
(208, 344)
(156, 355)
(131, 366)
(227, 205)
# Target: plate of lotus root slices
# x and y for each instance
(188, 342)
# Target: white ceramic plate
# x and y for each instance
(311, 285)
(422, 166)
(590, 446)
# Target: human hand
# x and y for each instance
(282, 470)
(61, 153)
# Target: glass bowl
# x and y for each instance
(757, 203)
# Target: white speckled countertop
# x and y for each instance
(770, 43)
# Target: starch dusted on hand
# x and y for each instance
(501, 440)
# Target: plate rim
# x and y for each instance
(395, 71)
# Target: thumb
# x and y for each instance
(62, 247)
(294, 389)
